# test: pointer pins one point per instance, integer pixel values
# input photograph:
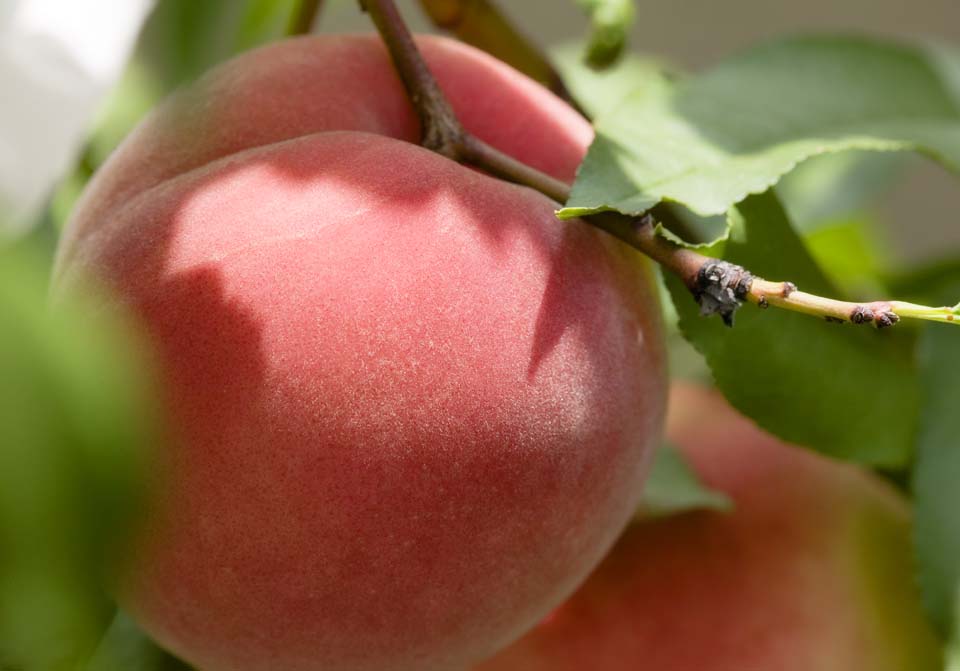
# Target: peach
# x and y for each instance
(811, 570)
(410, 409)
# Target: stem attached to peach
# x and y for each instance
(718, 286)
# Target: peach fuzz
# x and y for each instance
(410, 410)
(812, 570)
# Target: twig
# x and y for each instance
(440, 127)
(475, 151)
(718, 286)
(305, 17)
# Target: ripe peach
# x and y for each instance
(411, 409)
(810, 571)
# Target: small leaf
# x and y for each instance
(673, 487)
(611, 21)
(844, 391)
(735, 130)
(126, 648)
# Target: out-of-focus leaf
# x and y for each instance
(66, 196)
(837, 186)
(126, 648)
(847, 392)
(184, 38)
(937, 470)
(685, 362)
(925, 284)
(600, 91)
(735, 130)
(673, 487)
(135, 94)
(610, 23)
(953, 654)
(832, 201)
(850, 255)
(76, 424)
(60, 58)
(263, 20)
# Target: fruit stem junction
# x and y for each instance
(719, 287)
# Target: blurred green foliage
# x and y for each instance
(673, 487)
(184, 38)
(126, 648)
(840, 185)
(76, 426)
(937, 470)
(75, 413)
(834, 200)
(936, 476)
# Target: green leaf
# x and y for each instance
(137, 92)
(610, 21)
(75, 425)
(263, 20)
(126, 648)
(926, 283)
(844, 391)
(600, 91)
(735, 130)
(937, 474)
(838, 186)
(673, 487)
(848, 252)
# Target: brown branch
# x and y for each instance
(441, 130)
(475, 151)
(718, 286)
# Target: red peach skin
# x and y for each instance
(811, 571)
(410, 410)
